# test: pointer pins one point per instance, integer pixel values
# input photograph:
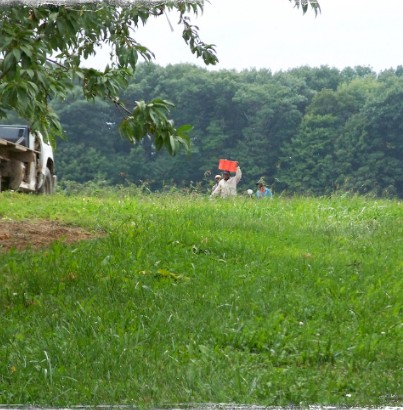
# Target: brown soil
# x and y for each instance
(38, 234)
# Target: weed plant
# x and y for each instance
(293, 301)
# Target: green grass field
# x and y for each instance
(293, 301)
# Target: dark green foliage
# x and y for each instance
(350, 139)
(375, 145)
(310, 156)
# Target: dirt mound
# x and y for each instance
(38, 234)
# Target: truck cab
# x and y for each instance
(26, 161)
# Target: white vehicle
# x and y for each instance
(26, 161)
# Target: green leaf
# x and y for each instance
(172, 142)
(23, 100)
(17, 54)
(26, 49)
(184, 129)
(9, 62)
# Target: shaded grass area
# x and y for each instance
(288, 302)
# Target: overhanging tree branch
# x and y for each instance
(42, 49)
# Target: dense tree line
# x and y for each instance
(306, 130)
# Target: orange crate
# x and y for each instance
(226, 165)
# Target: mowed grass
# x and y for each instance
(293, 301)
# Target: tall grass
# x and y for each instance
(292, 301)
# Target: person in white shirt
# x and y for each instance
(217, 180)
(227, 186)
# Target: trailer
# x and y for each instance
(26, 161)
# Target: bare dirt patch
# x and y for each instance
(22, 235)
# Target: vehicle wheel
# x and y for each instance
(16, 172)
(47, 187)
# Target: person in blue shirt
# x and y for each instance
(263, 191)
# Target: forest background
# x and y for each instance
(306, 130)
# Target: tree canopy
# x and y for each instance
(42, 48)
